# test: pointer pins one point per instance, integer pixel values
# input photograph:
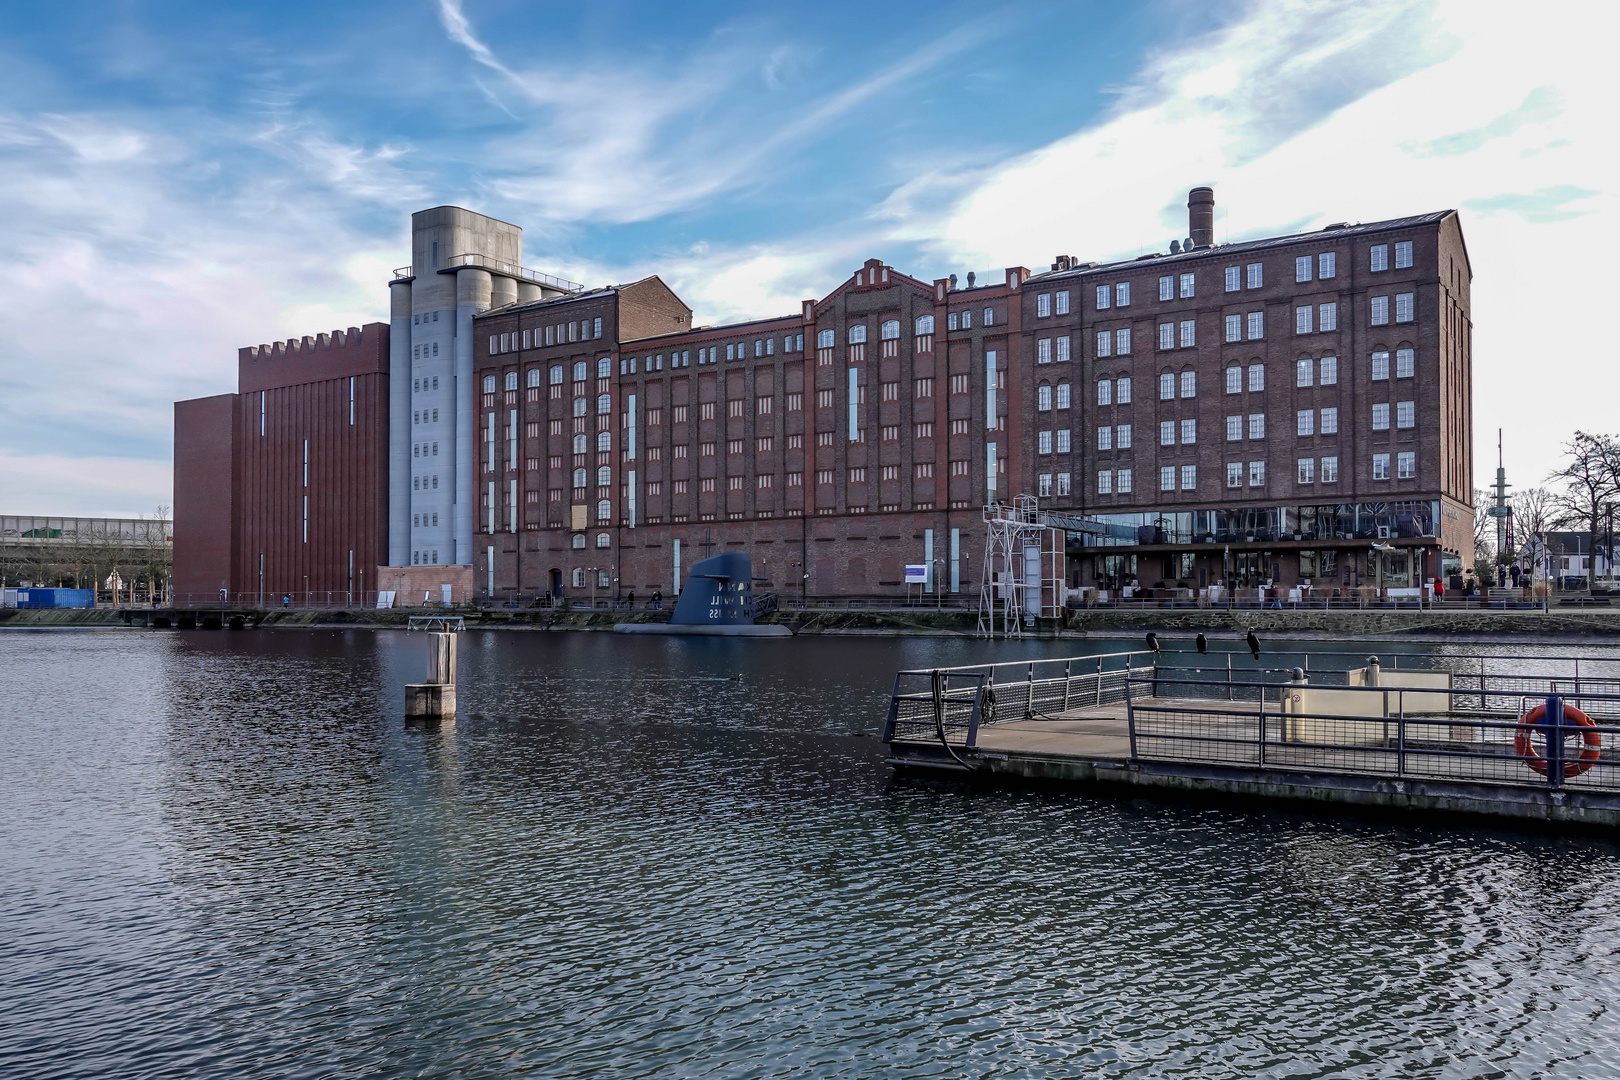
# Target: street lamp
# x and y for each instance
(939, 594)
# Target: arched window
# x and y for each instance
(604, 367)
(603, 540)
(890, 330)
(604, 404)
(489, 384)
(534, 376)
(604, 476)
(604, 511)
(857, 334)
(604, 440)
(925, 324)
(581, 406)
(581, 371)
(556, 375)
(824, 339)
(511, 380)
(579, 478)
(582, 444)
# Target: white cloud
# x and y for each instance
(58, 484)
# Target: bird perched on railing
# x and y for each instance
(1153, 641)
(1254, 643)
(1203, 644)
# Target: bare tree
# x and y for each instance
(1588, 485)
(1533, 517)
(1484, 539)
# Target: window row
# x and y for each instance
(1045, 488)
(1047, 304)
(1047, 442)
(558, 334)
(1110, 481)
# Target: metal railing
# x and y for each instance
(499, 266)
(1500, 740)
(952, 703)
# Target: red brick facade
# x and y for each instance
(281, 488)
(609, 451)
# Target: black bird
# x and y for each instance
(1153, 641)
(1254, 643)
(1203, 644)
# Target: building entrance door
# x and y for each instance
(1249, 569)
(556, 582)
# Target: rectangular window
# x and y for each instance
(1380, 311)
(1187, 329)
(1105, 296)
(1167, 433)
(1302, 268)
(1123, 481)
(795, 402)
(824, 476)
(1405, 414)
(1256, 276)
(1405, 363)
(1403, 306)
(1330, 420)
(919, 431)
(1105, 482)
(1122, 390)
(1380, 466)
(1380, 366)
(1167, 287)
(1122, 294)
(857, 476)
(1044, 442)
(1043, 305)
(1307, 470)
(1328, 317)
(1189, 477)
(824, 399)
(1189, 432)
(1330, 470)
(959, 384)
(1305, 422)
(1257, 425)
(1063, 395)
(924, 470)
(1167, 386)
(1167, 335)
(1257, 325)
(1234, 474)
(1257, 377)
(1063, 440)
(1043, 398)
(1405, 465)
(1189, 384)
(1234, 278)
(1122, 436)
(1063, 483)
(1105, 392)
(1234, 328)
(1105, 346)
(1330, 371)
(1234, 428)
(1105, 438)
(1327, 265)
(1063, 349)
(1303, 371)
(1302, 319)
(1403, 254)
(1380, 417)
(1060, 302)
(1186, 285)
(1234, 380)
(1167, 478)
(1043, 349)
(1379, 258)
(1257, 474)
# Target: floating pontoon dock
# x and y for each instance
(1454, 732)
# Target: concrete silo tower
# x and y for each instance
(462, 263)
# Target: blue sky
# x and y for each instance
(184, 179)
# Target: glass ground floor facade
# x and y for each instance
(1344, 546)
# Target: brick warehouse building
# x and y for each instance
(867, 432)
(280, 489)
(1295, 409)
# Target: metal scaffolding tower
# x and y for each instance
(1003, 590)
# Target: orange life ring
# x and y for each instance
(1591, 742)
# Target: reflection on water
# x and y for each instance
(225, 854)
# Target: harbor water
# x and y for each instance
(226, 854)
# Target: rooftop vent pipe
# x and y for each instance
(1201, 216)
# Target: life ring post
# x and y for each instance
(1555, 740)
(1553, 720)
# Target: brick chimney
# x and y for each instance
(1201, 216)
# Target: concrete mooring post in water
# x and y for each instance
(435, 698)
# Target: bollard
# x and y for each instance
(435, 698)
